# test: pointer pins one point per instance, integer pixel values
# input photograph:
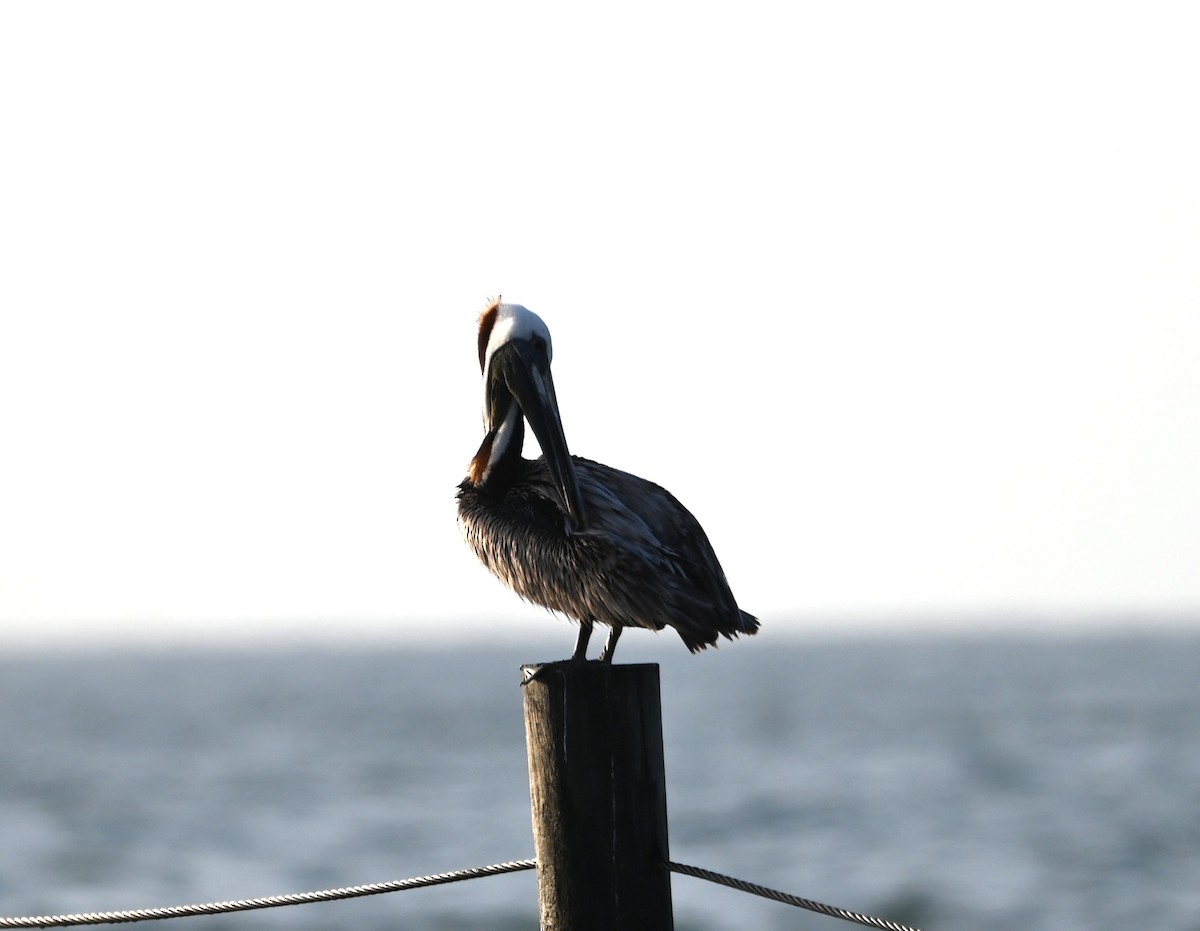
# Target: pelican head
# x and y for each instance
(514, 356)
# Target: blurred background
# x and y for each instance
(902, 302)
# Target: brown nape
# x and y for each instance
(479, 463)
(487, 320)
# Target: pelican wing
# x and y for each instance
(647, 522)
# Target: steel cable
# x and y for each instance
(350, 892)
(767, 893)
(275, 901)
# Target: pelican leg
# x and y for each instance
(610, 645)
(585, 634)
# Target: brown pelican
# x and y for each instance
(572, 535)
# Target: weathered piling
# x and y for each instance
(599, 796)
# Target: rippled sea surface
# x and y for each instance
(1018, 782)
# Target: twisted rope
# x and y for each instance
(274, 901)
(350, 892)
(788, 899)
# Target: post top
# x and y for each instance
(568, 668)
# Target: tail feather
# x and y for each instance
(749, 623)
(698, 640)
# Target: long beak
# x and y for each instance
(531, 384)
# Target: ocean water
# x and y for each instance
(1000, 782)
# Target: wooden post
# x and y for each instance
(599, 794)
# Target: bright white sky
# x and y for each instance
(903, 300)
